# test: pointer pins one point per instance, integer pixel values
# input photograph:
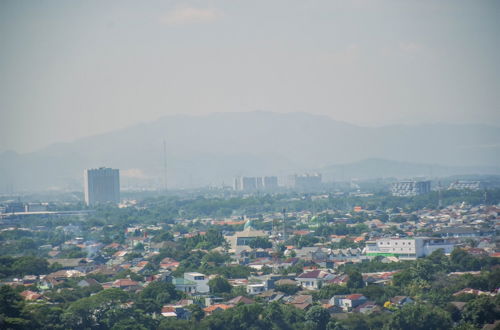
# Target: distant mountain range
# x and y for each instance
(213, 149)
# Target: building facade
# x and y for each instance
(305, 181)
(410, 188)
(200, 280)
(407, 248)
(101, 185)
(244, 183)
(464, 185)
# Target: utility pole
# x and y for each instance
(440, 202)
(284, 224)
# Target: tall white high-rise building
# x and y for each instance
(101, 185)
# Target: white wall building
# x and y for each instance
(256, 288)
(200, 280)
(407, 248)
(410, 188)
(313, 280)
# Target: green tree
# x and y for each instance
(328, 291)
(197, 313)
(44, 316)
(160, 293)
(89, 312)
(219, 285)
(319, 316)
(29, 265)
(289, 289)
(11, 305)
(419, 317)
(355, 280)
(480, 310)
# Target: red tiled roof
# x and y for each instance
(30, 295)
(168, 309)
(213, 308)
(125, 282)
(240, 299)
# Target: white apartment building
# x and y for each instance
(410, 188)
(200, 280)
(407, 248)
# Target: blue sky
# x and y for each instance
(70, 69)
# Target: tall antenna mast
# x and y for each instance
(440, 201)
(164, 165)
(284, 224)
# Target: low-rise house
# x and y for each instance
(285, 281)
(64, 274)
(200, 280)
(87, 282)
(301, 301)
(367, 308)
(331, 308)
(313, 280)
(169, 263)
(258, 264)
(286, 263)
(214, 308)
(348, 302)
(240, 300)
(106, 271)
(29, 279)
(401, 300)
(379, 278)
(30, 295)
(168, 311)
(256, 288)
(176, 311)
(49, 283)
(184, 285)
(270, 295)
(338, 280)
(126, 284)
(473, 291)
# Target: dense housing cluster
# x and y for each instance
(327, 260)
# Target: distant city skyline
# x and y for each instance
(80, 68)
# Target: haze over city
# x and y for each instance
(229, 165)
(79, 68)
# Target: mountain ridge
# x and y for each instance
(212, 149)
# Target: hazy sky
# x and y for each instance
(74, 68)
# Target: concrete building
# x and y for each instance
(348, 302)
(101, 185)
(407, 248)
(463, 185)
(244, 183)
(241, 239)
(270, 182)
(184, 285)
(314, 279)
(410, 188)
(256, 288)
(305, 181)
(200, 280)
